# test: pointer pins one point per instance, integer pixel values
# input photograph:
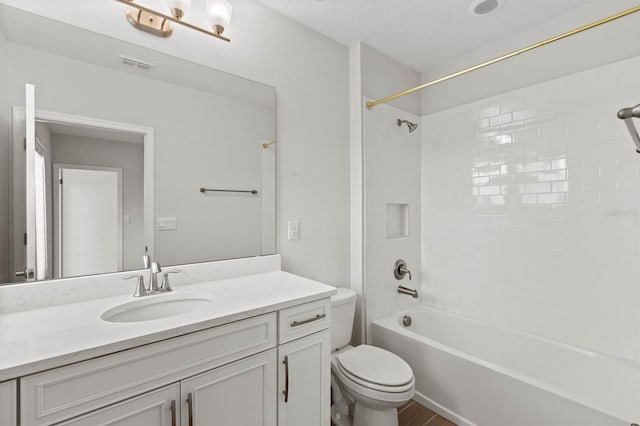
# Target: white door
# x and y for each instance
(304, 381)
(239, 394)
(156, 408)
(23, 220)
(88, 220)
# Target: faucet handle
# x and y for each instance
(146, 261)
(166, 286)
(400, 270)
(141, 290)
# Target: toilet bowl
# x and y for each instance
(372, 381)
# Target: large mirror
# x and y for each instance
(110, 151)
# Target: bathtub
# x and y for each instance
(476, 374)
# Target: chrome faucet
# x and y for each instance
(408, 291)
(153, 277)
(154, 269)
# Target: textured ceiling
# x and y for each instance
(419, 33)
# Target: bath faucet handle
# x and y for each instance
(400, 270)
(404, 270)
(141, 290)
(166, 286)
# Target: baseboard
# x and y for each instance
(444, 412)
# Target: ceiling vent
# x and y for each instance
(136, 63)
(485, 7)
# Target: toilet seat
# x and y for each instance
(375, 373)
(376, 386)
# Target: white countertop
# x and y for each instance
(40, 339)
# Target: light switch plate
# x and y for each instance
(294, 230)
(167, 224)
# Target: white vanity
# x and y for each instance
(258, 354)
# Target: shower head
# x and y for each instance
(412, 126)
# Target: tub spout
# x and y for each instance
(409, 291)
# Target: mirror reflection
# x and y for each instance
(108, 146)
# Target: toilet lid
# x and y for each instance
(376, 365)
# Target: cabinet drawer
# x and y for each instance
(66, 392)
(301, 320)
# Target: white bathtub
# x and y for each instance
(476, 374)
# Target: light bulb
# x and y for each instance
(219, 14)
(179, 8)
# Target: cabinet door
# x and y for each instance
(305, 381)
(8, 403)
(155, 408)
(239, 394)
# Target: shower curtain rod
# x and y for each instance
(372, 104)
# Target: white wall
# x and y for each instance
(310, 74)
(391, 166)
(129, 157)
(5, 168)
(382, 76)
(605, 44)
(392, 175)
(531, 210)
(201, 140)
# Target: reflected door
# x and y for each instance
(88, 220)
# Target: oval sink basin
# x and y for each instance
(152, 309)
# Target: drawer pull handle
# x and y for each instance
(285, 392)
(307, 321)
(190, 408)
(173, 413)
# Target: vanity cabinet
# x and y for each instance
(8, 403)
(63, 393)
(232, 375)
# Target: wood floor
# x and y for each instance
(414, 414)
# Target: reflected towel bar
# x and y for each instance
(252, 191)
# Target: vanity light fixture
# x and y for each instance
(159, 24)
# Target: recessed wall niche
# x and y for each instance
(397, 220)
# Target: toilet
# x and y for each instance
(373, 381)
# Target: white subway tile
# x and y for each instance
(531, 198)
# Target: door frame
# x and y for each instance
(148, 134)
(57, 208)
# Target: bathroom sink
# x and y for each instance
(156, 307)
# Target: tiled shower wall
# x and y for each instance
(531, 210)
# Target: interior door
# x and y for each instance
(23, 218)
(88, 217)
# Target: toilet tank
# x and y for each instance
(343, 308)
